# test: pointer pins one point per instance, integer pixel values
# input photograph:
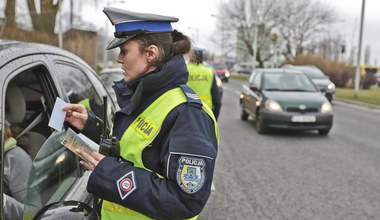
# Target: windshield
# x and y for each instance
(288, 82)
(219, 66)
(54, 171)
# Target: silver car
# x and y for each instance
(319, 78)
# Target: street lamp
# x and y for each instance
(357, 73)
(60, 37)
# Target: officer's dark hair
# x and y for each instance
(196, 58)
(169, 44)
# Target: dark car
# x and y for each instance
(221, 69)
(285, 99)
(245, 70)
(109, 76)
(219, 83)
(32, 76)
(319, 78)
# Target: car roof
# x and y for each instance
(277, 70)
(302, 67)
(10, 50)
(111, 70)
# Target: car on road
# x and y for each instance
(219, 83)
(109, 76)
(32, 77)
(319, 78)
(245, 70)
(221, 69)
(284, 99)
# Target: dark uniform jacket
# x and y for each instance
(187, 132)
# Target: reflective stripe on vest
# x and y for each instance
(140, 134)
(200, 80)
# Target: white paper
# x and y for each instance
(58, 116)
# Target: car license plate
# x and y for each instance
(303, 118)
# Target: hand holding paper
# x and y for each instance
(58, 115)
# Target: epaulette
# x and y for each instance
(192, 98)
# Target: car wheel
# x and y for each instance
(323, 131)
(259, 123)
(243, 114)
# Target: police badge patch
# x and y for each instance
(191, 174)
(126, 184)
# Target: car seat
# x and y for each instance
(15, 111)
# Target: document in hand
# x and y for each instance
(73, 141)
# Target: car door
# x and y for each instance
(81, 85)
(254, 93)
(30, 88)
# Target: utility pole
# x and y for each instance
(60, 37)
(357, 73)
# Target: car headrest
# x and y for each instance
(15, 104)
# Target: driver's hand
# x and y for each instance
(76, 115)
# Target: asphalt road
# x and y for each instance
(296, 175)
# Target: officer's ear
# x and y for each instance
(152, 53)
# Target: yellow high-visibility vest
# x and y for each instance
(200, 80)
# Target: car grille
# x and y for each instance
(296, 109)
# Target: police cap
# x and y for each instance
(129, 24)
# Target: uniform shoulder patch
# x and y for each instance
(191, 174)
(126, 184)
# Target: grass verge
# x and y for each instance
(370, 96)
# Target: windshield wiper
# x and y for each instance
(296, 90)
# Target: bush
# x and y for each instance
(339, 73)
(368, 80)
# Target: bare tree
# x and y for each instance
(300, 23)
(10, 12)
(251, 21)
(45, 20)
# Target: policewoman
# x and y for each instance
(168, 137)
(202, 81)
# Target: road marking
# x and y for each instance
(213, 187)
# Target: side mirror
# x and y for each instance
(67, 210)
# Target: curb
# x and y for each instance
(359, 103)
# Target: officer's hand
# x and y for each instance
(91, 160)
(76, 115)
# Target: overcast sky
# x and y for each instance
(196, 20)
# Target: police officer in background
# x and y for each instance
(168, 137)
(202, 81)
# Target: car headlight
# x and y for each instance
(331, 86)
(326, 107)
(273, 106)
(227, 74)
